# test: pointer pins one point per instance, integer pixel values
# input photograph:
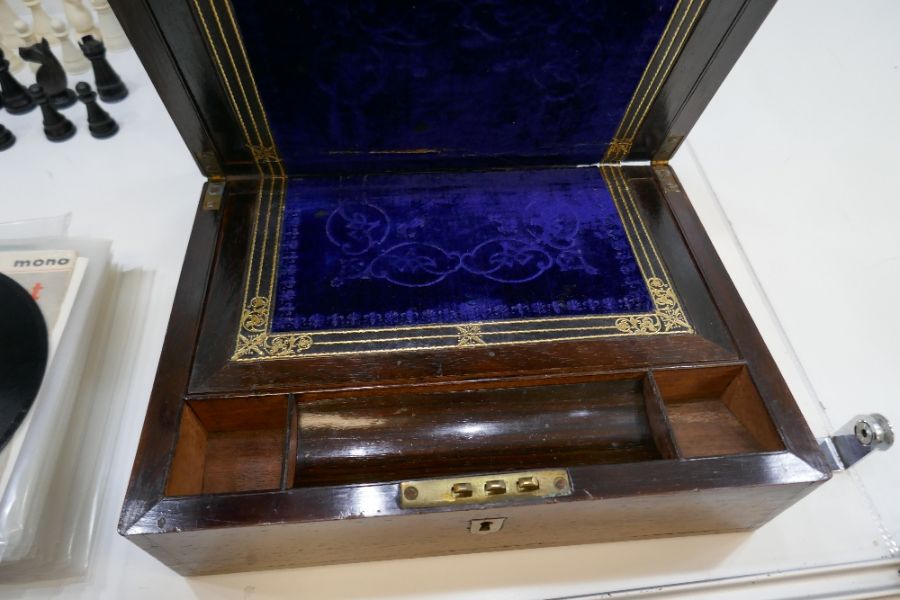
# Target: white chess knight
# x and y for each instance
(80, 18)
(40, 21)
(73, 61)
(110, 31)
(26, 38)
(7, 18)
(11, 53)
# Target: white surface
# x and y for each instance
(799, 147)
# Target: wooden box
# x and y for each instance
(412, 322)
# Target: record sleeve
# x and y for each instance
(23, 355)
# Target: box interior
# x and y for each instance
(231, 445)
(377, 87)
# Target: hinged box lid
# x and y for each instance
(346, 86)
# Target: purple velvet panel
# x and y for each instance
(367, 85)
(391, 250)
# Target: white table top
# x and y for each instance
(791, 169)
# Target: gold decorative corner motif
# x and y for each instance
(263, 345)
(264, 154)
(638, 324)
(619, 148)
(255, 342)
(256, 314)
(667, 307)
(469, 335)
(668, 317)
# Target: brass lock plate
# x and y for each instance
(484, 489)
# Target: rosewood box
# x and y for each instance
(443, 292)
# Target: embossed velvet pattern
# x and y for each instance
(356, 85)
(399, 250)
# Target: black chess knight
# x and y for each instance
(100, 124)
(50, 76)
(7, 139)
(57, 128)
(109, 85)
(15, 98)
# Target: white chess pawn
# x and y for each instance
(7, 18)
(80, 18)
(73, 61)
(110, 31)
(11, 53)
(26, 38)
(40, 21)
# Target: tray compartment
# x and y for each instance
(415, 435)
(230, 445)
(715, 411)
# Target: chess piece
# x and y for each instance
(7, 139)
(80, 18)
(100, 124)
(57, 128)
(40, 20)
(109, 85)
(26, 38)
(50, 76)
(73, 60)
(110, 30)
(7, 18)
(15, 99)
(15, 63)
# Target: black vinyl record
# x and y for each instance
(23, 355)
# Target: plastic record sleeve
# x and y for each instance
(23, 355)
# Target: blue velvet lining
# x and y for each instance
(366, 85)
(395, 250)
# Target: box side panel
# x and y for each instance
(161, 424)
(779, 401)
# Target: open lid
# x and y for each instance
(370, 86)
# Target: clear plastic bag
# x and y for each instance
(32, 532)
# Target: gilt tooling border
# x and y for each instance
(256, 341)
(254, 338)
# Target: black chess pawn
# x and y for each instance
(15, 98)
(109, 85)
(50, 76)
(7, 139)
(100, 124)
(57, 128)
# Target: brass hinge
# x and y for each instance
(666, 178)
(212, 195)
(209, 164)
(667, 149)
